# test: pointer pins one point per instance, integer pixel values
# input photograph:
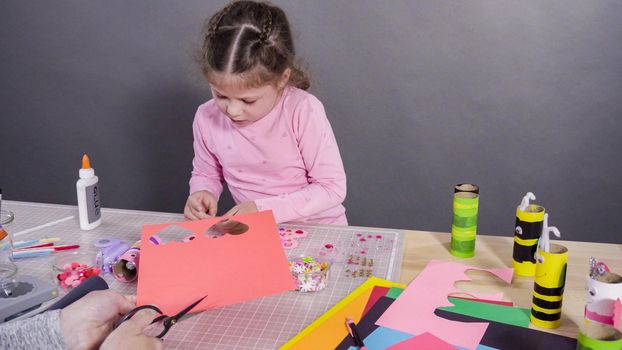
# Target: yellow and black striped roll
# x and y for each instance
(526, 234)
(548, 287)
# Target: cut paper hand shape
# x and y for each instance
(230, 269)
(413, 311)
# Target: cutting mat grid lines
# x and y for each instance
(264, 323)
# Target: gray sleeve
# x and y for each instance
(39, 332)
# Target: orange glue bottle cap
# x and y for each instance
(86, 171)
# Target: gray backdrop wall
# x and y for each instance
(515, 96)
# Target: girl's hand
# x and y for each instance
(201, 205)
(242, 208)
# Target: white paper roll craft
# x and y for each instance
(604, 295)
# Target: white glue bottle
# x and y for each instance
(89, 208)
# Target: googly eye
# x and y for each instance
(539, 258)
(518, 230)
(592, 291)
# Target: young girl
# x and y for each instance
(262, 132)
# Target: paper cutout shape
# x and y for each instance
(171, 233)
(497, 336)
(226, 226)
(329, 329)
(508, 337)
(380, 337)
(413, 311)
(504, 314)
(229, 270)
(425, 341)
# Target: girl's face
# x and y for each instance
(246, 105)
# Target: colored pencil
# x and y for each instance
(30, 242)
(28, 254)
(49, 249)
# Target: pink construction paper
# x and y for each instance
(413, 311)
(425, 341)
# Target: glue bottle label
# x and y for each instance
(93, 207)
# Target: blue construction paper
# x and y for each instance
(383, 337)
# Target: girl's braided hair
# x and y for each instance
(253, 40)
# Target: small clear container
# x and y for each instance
(71, 269)
(309, 274)
(8, 269)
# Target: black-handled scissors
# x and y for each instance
(167, 321)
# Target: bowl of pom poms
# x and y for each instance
(71, 269)
(310, 274)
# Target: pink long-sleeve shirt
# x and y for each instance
(287, 162)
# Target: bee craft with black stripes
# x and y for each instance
(529, 218)
(550, 279)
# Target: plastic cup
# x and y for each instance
(313, 275)
(71, 269)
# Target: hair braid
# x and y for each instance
(215, 21)
(267, 26)
(251, 40)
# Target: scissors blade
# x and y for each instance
(186, 310)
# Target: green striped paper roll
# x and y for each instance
(596, 336)
(464, 225)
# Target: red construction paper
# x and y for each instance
(376, 293)
(425, 341)
(228, 269)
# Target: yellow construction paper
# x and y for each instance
(329, 329)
